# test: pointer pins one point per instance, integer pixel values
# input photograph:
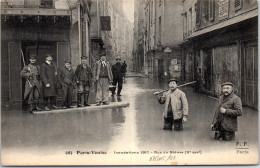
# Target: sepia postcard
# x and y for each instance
(129, 82)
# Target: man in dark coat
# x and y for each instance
(103, 77)
(31, 73)
(83, 78)
(118, 74)
(226, 113)
(66, 77)
(49, 81)
(124, 68)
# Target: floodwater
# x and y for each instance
(132, 135)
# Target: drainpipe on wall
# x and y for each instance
(80, 34)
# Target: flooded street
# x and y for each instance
(49, 138)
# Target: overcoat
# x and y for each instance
(178, 102)
(48, 77)
(233, 106)
(118, 71)
(31, 79)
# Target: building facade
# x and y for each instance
(111, 38)
(220, 44)
(158, 33)
(138, 39)
(40, 27)
(162, 37)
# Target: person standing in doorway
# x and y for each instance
(66, 76)
(83, 78)
(228, 109)
(31, 73)
(118, 73)
(176, 107)
(103, 77)
(49, 81)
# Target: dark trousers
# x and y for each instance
(52, 100)
(169, 122)
(34, 96)
(67, 90)
(118, 81)
(224, 134)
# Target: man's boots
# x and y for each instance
(46, 105)
(31, 108)
(53, 105)
(86, 99)
(119, 90)
(37, 108)
(79, 100)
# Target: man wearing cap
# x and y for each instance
(49, 81)
(83, 78)
(176, 107)
(31, 73)
(103, 77)
(118, 74)
(228, 109)
(66, 76)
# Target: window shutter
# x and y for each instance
(238, 4)
(211, 10)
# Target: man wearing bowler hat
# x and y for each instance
(49, 82)
(103, 77)
(118, 74)
(66, 76)
(228, 109)
(31, 73)
(83, 78)
(176, 107)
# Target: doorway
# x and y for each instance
(208, 69)
(250, 74)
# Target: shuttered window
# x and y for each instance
(238, 4)
(211, 10)
(198, 13)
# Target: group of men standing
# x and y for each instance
(45, 80)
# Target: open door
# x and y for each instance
(15, 67)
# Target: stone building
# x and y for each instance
(220, 44)
(58, 27)
(158, 33)
(139, 63)
(110, 40)
(162, 36)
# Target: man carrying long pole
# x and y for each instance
(32, 86)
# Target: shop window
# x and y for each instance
(238, 4)
(211, 10)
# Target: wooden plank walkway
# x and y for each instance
(79, 109)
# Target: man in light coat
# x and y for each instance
(228, 109)
(103, 78)
(31, 73)
(176, 107)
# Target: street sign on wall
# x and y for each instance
(105, 23)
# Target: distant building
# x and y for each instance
(138, 40)
(40, 27)
(162, 36)
(220, 44)
(112, 41)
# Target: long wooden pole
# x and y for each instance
(185, 84)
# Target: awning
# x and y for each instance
(231, 21)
